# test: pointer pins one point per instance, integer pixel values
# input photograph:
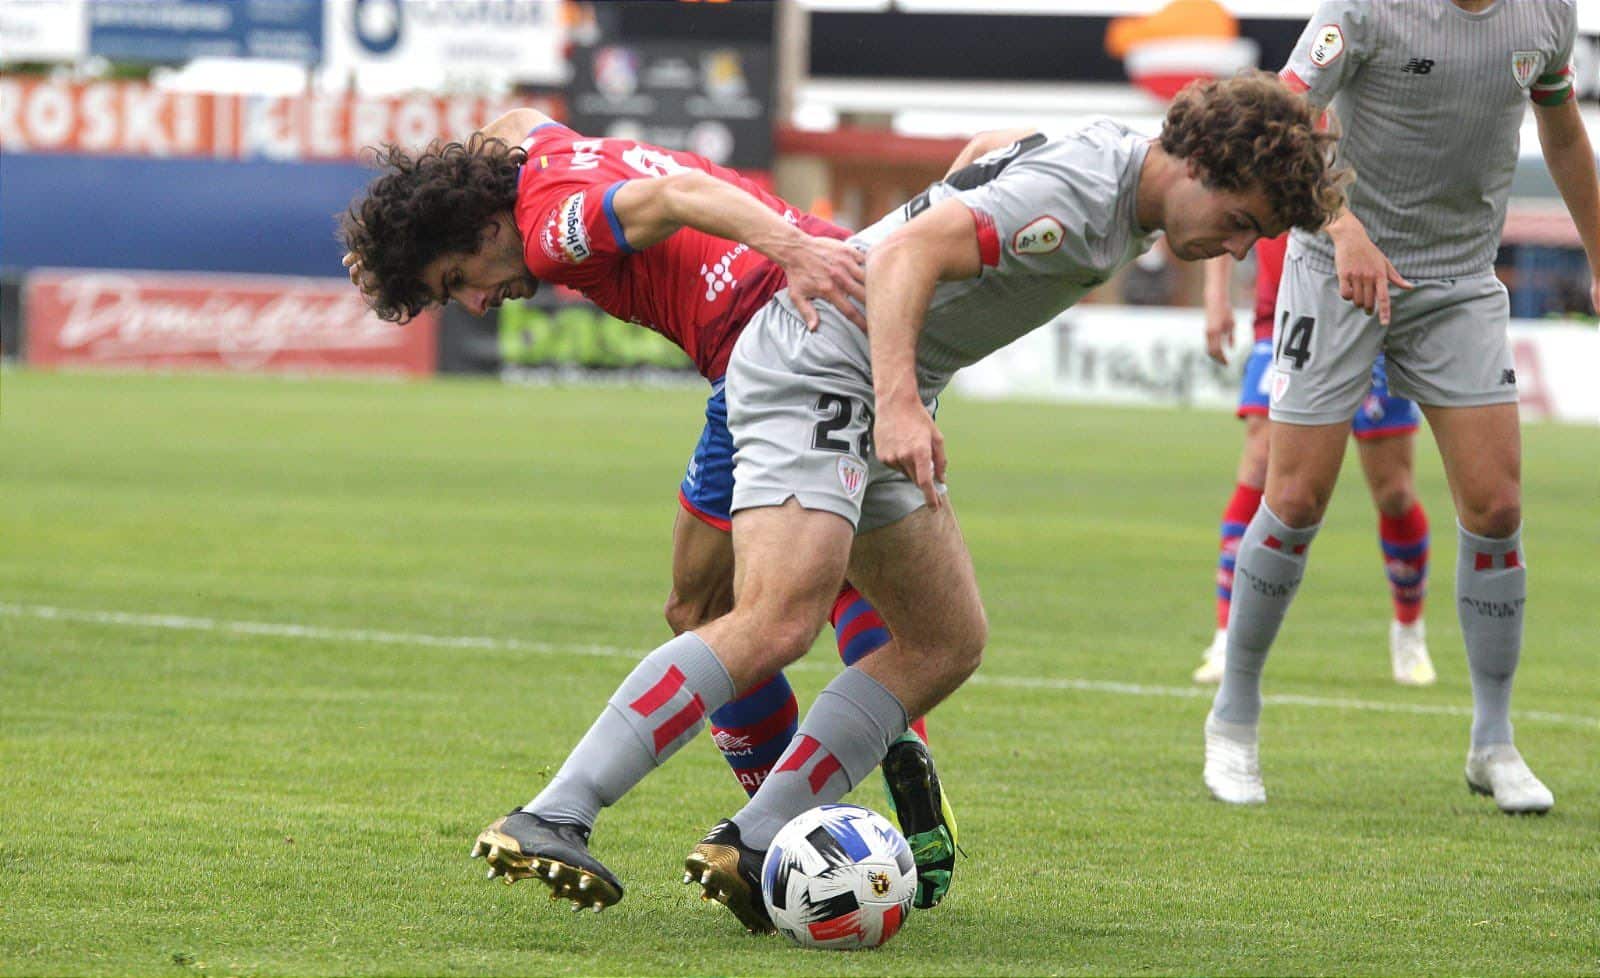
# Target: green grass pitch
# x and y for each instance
(271, 653)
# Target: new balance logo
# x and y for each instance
(1508, 377)
(1418, 66)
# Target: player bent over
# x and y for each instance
(1384, 428)
(1434, 145)
(840, 466)
(627, 224)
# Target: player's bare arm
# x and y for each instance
(987, 142)
(1570, 159)
(1365, 272)
(1218, 307)
(902, 271)
(651, 209)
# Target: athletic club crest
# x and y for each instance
(1525, 67)
(852, 475)
(1280, 385)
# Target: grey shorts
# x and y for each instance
(800, 407)
(1445, 344)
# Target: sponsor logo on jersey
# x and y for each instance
(719, 277)
(852, 475)
(1280, 384)
(1420, 66)
(1039, 236)
(564, 236)
(1508, 376)
(1325, 50)
(1525, 67)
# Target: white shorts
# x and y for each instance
(800, 407)
(1445, 345)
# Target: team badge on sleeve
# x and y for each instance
(1525, 67)
(1039, 236)
(1328, 45)
(564, 237)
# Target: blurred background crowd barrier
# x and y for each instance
(170, 170)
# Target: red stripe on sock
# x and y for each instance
(656, 696)
(1242, 505)
(1272, 543)
(764, 730)
(862, 622)
(798, 754)
(920, 725)
(1299, 548)
(848, 596)
(825, 768)
(1406, 529)
(680, 721)
(1483, 562)
(1511, 559)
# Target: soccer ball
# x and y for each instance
(839, 877)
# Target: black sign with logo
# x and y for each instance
(710, 97)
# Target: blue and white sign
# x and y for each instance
(181, 30)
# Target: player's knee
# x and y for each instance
(1298, 504)
(785, 639)
(960, 652)
(1394, 499)
(1495, 517)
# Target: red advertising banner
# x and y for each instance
(134, 119)
(217, 322)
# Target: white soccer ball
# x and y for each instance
(839, 877)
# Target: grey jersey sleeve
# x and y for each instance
(1337, 40)
(1048, 211)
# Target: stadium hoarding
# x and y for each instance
(43, 31)
(135, 119)
(1156, 357)
(481, 45)
(229, 323)
(175, 31)
(558, 336)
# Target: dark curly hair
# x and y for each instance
(1252, 131)
(426, 204)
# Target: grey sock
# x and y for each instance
(660, 707)
(1271, 561)
(842, 738)
(1491, 586)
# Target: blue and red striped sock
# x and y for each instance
(1405, 559)
(753, 731)
(860, 632)
(1241, 509)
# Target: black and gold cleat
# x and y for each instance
(730, 873)
(925, 816)
(524, 846)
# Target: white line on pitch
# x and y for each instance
(324, 634)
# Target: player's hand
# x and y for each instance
(1219, 333)
(1365, 275)
(358, 276)
(906, 439)
(823, 268)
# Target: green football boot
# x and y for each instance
(923, 810)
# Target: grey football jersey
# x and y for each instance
(1430, 100)
(1054, 218)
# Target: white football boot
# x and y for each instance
(1500, 772)
(1214, 661)
(1408, 654)
(1233, 766)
